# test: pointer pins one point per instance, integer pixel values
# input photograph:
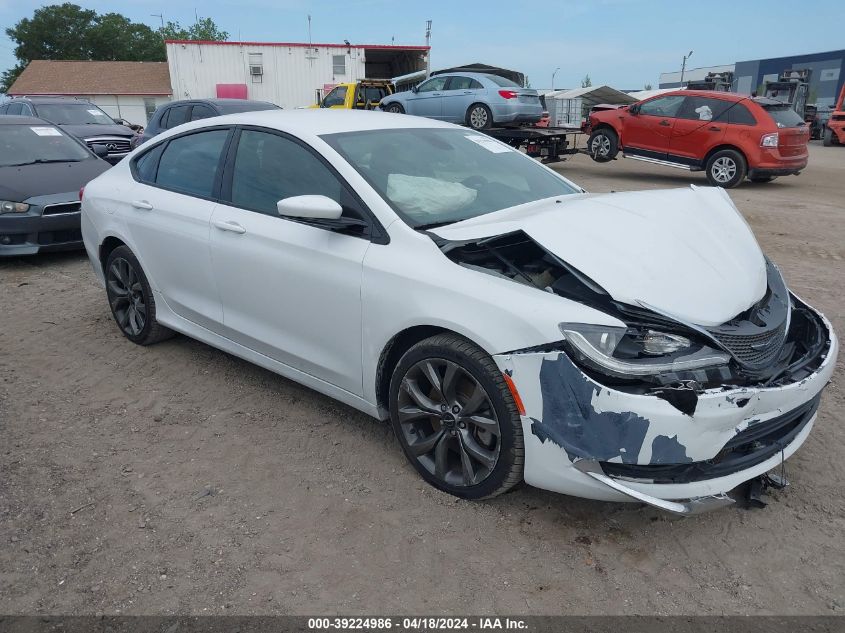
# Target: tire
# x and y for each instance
(762, 178)
(479, 117)
(603, 145)
(131, 299)
(458, 419)
(827, 140)
(395, 108)
(726, 168)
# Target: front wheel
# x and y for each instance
(479, 117)
(603, 145)
(456, 419)
(131, 299)
(395, 108)
(726, 168)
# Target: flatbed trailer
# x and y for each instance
(549, 144)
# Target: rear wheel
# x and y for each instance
(479, 117)
(726, 168)
(396, 108)
(603, 145)
(131, 299)
(827, 139)
(456, 418)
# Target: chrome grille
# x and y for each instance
(754, 350)
(58, 209)
(114, 144)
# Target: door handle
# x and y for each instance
(435, 94)
(468, 92)
(714, 128)
(142, 204)
(664, 123)
(229, 225)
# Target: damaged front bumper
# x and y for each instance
(586, 439)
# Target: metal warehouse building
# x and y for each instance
(826, 78)
(288, 74)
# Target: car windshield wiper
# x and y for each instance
(46, 160)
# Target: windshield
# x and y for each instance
(26, 144)
(784, 116)
(439, 176)
(72, 114)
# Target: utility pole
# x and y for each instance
(553, 77)
(684, 67)
(428, 44)
(160, 16)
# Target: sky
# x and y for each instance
(622, 43)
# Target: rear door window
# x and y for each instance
(460, 83)
(201, 111)
(703, 108)
(189, 163)
(177, 115)
(15, 108)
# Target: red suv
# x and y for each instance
(729, 136)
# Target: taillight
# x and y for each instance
(508, 94)
(769, 140)
(81, 191)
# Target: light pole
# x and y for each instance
(553, 77)
(684, 67)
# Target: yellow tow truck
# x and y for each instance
(361, 95)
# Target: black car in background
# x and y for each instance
(42, 169)
(177, 112)
(79, 118)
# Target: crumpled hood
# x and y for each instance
(685, 252)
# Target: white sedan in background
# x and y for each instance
(623, 346)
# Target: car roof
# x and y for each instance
(37, 100)
(17, 119)
(217, 102)
(715, 94)
(311, 122)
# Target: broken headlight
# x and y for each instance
(633, 351)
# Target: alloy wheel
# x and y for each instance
(723, 169)
(600, 146)
(448, 422)
(478, 117)
(126, 297)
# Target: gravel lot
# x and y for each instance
(178, 479)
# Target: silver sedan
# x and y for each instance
(478, 100)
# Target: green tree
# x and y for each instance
(67, 31)
(586, 82)
(203, 29)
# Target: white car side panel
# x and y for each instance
(292, 292)
(174, 237)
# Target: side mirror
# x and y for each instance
(634, 109)
(100, 150)
(309, 207)
(415, 89)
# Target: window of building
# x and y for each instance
(338, 65)
(256, 67)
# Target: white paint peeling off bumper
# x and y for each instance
(570, 417)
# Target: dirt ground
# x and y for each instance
(179, 479)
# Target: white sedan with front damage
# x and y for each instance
(622, 346)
